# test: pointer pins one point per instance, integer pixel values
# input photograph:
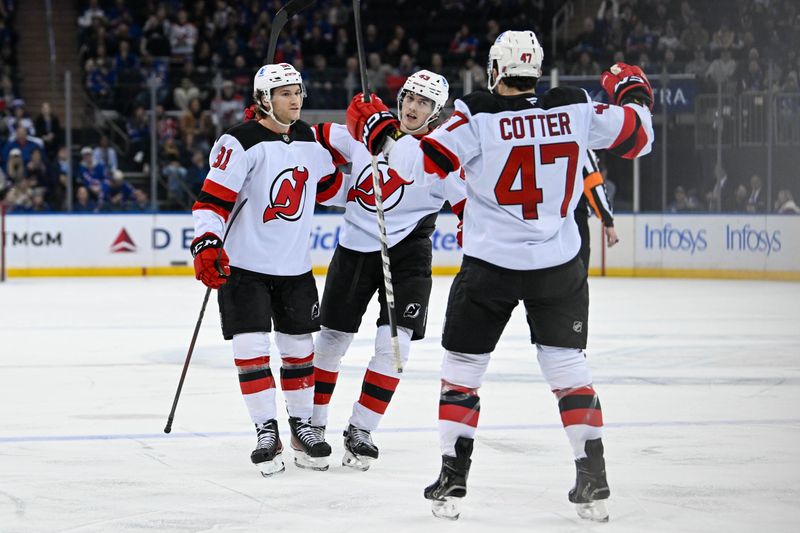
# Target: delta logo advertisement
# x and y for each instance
(123, 243)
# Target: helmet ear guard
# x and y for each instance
(514, 54)
(429, 85)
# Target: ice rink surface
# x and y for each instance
(699, 382)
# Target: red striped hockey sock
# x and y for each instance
(581, 415)
(324, 383)
(297, 383)
(459, 410)
(376, 393)
(258, 387)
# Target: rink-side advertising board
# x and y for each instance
(722, 246)
(147, 244)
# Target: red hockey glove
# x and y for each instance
(210, 260)
(370, 122)
(627, 83)
(249, 113)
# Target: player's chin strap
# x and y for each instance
(271, 114)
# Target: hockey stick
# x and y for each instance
(283, 15)
(168, 427)
(376, 186)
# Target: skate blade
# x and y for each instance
(447, 508)
(303, 460)
(356, 462)
(595, 511)
(270, 468)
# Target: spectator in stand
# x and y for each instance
(590, 40)
(195, 124)
(694, 36)
(138, 129)
(754, 79)
(178, 189)
(93, 11)
(57, 178)
(721, 196)
(98, 84)
(724, 38)
(15, 166)
(680, 202)
(228, 107)
(585, 66)
(477, 72)
(722, 69)
(182, 95)
(106, 155)
(155, 42)
(20, 118)
(36, 170)
(670, 40)
(140, 201)
(639, 41)
(321, 84)
(119, 193)
(372, 43)
(182, 36)
(125, 59)
(39, 202)
(699, 65)
(740, 199)
(197, 172)
(83, 201)
(48, 129)
(757, 202)
(343, 48)
(377, 72)
(25, 144)
(463, 45)
(91, 175)
(784, 203)
(669, 63)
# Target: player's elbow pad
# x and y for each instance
(633, 139)
(438, 159)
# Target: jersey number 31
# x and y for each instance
(522, 161)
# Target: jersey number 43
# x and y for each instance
(522, 161)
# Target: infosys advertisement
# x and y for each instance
(741, 246)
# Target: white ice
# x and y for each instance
(699, 382)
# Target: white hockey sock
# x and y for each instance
(251, 356)
(567, 373)
(297, 373)
(380, 379)
(459, 403)
(329, 347)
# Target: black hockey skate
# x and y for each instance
(267, 455)
(447, 491)
(359, 450)
(310, 451)
(591, 488)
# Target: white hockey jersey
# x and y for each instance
(405, 201)
(280, 175)
(523, 157)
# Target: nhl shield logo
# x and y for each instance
(412, 310)
(577, 326)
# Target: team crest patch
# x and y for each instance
(577, 326)
(412, 310)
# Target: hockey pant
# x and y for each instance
(252, 357)
(564, 369)
(380, 379)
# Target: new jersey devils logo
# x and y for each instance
(289, 201)
(363, 193)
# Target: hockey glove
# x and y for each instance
(370, 122)
(210, 260)
(627, 83)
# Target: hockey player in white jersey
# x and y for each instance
(594, 198)
(355, 274)
(522, 154)
(264, 273)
